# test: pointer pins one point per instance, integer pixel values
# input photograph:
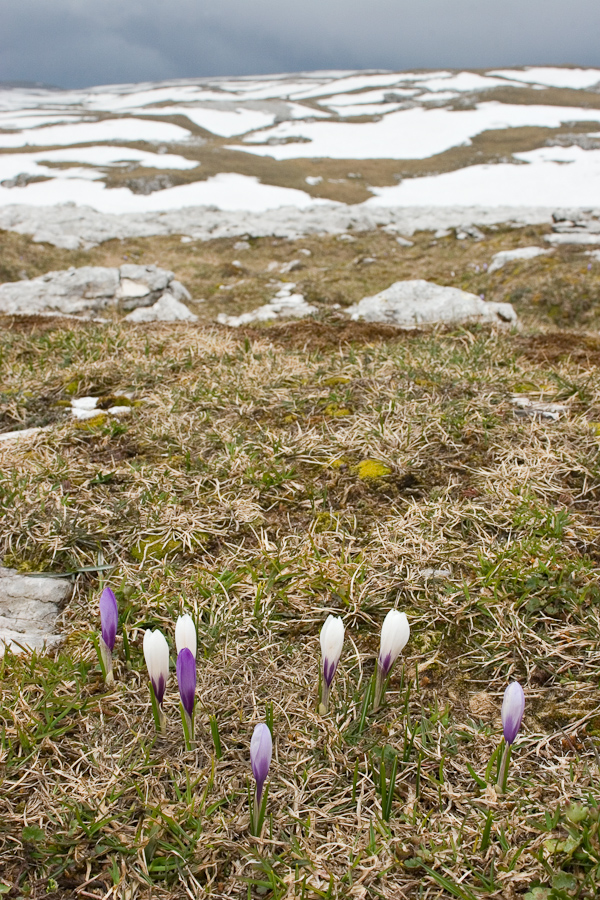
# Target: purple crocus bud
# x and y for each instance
(186, 678)
(261, 749)
(332, 641)
(109, 620)
(109, 617)
(513, 706)
(395, 632)
(156, 654)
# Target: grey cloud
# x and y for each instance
(76, 43)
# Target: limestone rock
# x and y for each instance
(72, 291)
(411, 304)
(28, 610)
(22, 434)
(71, 226)
(152, 277)
(505, 256)
(166, 309)
(90, 289)
(285, 304)
(575, 226)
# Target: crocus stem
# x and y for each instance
(106, 660)
(324, 704)
(188, 727)
(380, 684)
(160, 719)
(503, 774)
(255, 813)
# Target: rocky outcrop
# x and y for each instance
(89, 290)
(29, 607)
(72, 226)
(575, 226)
(411, 304)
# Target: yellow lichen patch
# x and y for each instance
(595, 426)
(72, 387)
(93, 422)
(337, 412)
(334, 380)
(113, 400)
(372, 468)
(155, 548)
(325, 521)
(338, 463)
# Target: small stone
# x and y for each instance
(537, 409)
(85, 403)
(435, 574)
(28, 610)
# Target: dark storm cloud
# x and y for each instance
(75, 43)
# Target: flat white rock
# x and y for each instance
(166, 309)
(505, 256)
(285, 304)
(573, 237)
(28, 610)
(22, 434)
(411, 304)
(89, 289)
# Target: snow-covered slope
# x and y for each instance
(506, 137)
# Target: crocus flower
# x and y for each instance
(185, 634)
(395, 632)
(332, 641)
(513, 707)
(156, 654)
(186, 678)
(109, 620)
(261, 749)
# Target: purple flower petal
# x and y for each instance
(186, 678)
(109, 617)
(513, 707)
(261, 749)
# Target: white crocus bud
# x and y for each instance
(395, 632)
(185, 634)
(332, 641)
(156, 654)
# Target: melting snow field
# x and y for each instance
(60, 146)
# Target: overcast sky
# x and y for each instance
(76, 43)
